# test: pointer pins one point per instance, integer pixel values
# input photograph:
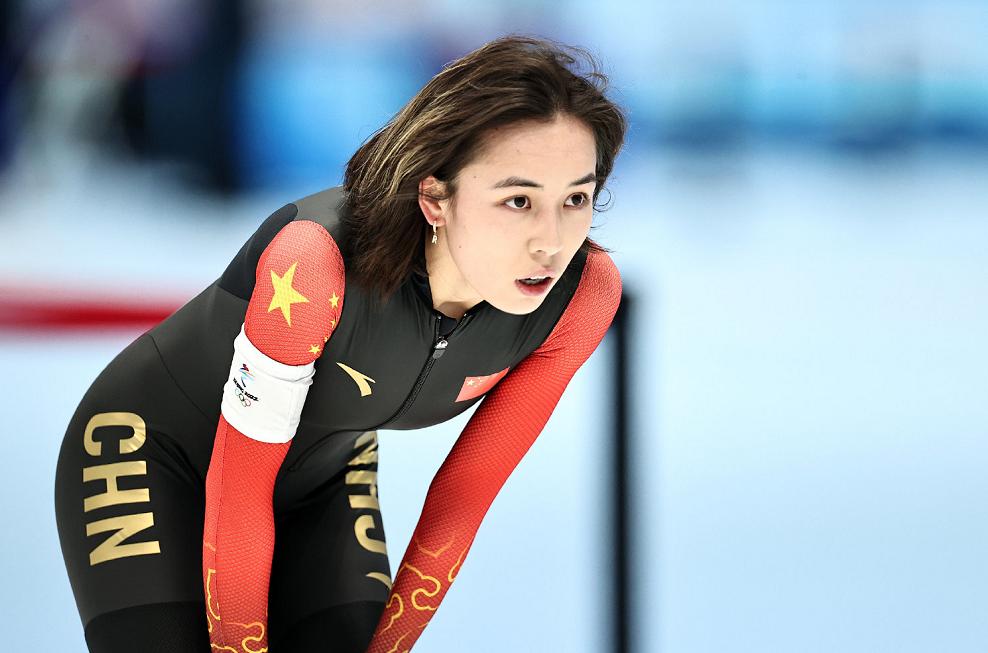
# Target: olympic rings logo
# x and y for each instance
(245, 397)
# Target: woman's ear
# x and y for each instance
(433, 209)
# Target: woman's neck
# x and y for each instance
(451, 294)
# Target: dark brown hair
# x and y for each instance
(441, 130)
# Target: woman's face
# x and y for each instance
(522, 209)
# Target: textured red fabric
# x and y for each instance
(494, 441)
(292, 312)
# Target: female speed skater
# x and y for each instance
(216, 489)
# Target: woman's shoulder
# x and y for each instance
(600, 275)
(591, 307)
(323, 208)
(591, 283)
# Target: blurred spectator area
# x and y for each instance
(236, 96)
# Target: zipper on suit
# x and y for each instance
(439, 346)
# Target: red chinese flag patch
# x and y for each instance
(474, 386)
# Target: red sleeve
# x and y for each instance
(294, 307)
(494, 441)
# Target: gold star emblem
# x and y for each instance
(314, 349)
(334, 300)
(284, 294)
(325, 339)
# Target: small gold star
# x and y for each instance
(470, 382)
(325, 339)
(334, 300)
(332, 323)
(314, 349)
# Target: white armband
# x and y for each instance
(263, 398)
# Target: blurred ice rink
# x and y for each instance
(810, 436)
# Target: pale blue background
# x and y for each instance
(801, 215)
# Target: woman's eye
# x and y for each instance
(583, 199)
(519, 197)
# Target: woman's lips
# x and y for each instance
(534, 290)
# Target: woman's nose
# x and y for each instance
(547, 237)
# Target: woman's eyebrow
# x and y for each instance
(518, 181)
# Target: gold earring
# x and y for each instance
(435, 238)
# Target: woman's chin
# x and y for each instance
(518, 305)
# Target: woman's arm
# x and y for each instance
(494, 441)
(294, 307)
